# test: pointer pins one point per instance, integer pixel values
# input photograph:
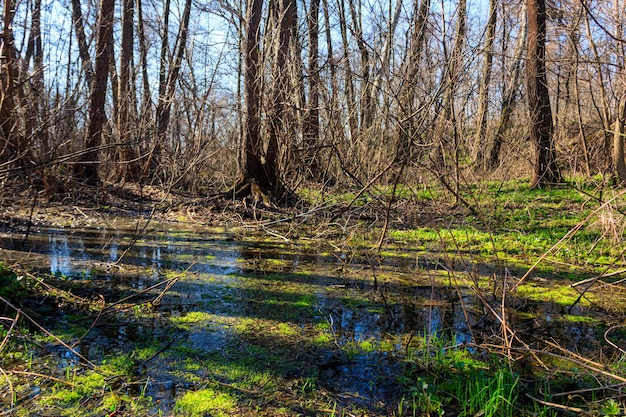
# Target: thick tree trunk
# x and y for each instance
(545, 170)
(87, 169)
(14, 150)
(279, 123)
(252, 166)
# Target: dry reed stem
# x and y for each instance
(13, 322)
(606, 337)
(11, 390)
(38, 375)
(556, 405)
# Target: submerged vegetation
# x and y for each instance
(511, 308)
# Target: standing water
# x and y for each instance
(254, 322)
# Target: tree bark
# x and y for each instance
(154, 156)
(545, 170)
(253, 146)
(618, 141)
(421, 11)
(366, 85)
(83, 48)
(279, 123)
(13, 147)
(129, 170)
(87, 168)
(349, 75)
(311, 132)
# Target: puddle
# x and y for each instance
(236, 299)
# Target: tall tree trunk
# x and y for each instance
(455, 61)
(312, 123)
(154, 156)
(349, 81)
(34, 80)
(382, 69)
(366, 85)
(619, 135)
(129, 170)
(143, 58)
(618, 141)
(87, 169)
(83, 47)
(13, 147)
(279, 123)
(252, 166)
(480, 139)
(421, 11)
(167, 85)
(545, 170)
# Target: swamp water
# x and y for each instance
(264, 326)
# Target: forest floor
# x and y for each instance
(499, 301)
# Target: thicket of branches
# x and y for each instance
(205, 94)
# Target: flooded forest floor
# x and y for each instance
(129, 302)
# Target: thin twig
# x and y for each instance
(555, 405)
(38, 375)
(11, 390)
(606, 337)
(6, 337)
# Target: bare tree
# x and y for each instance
(83, 47)
(618, 141)
(129, 167)
(13, 147)
(510, 94)
(483, 93)
(311, 132)
(545, 170)
(168, 77)
(87, 168)
(279, 129)
(252, 167)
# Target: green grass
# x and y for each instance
(443, 375)
(517, 226)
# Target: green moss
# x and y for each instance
(285, 329)
(322, 339)
(559, 294)
(581, 319)
(193, 317)
(206, 401)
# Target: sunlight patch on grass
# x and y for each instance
(206, 402)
